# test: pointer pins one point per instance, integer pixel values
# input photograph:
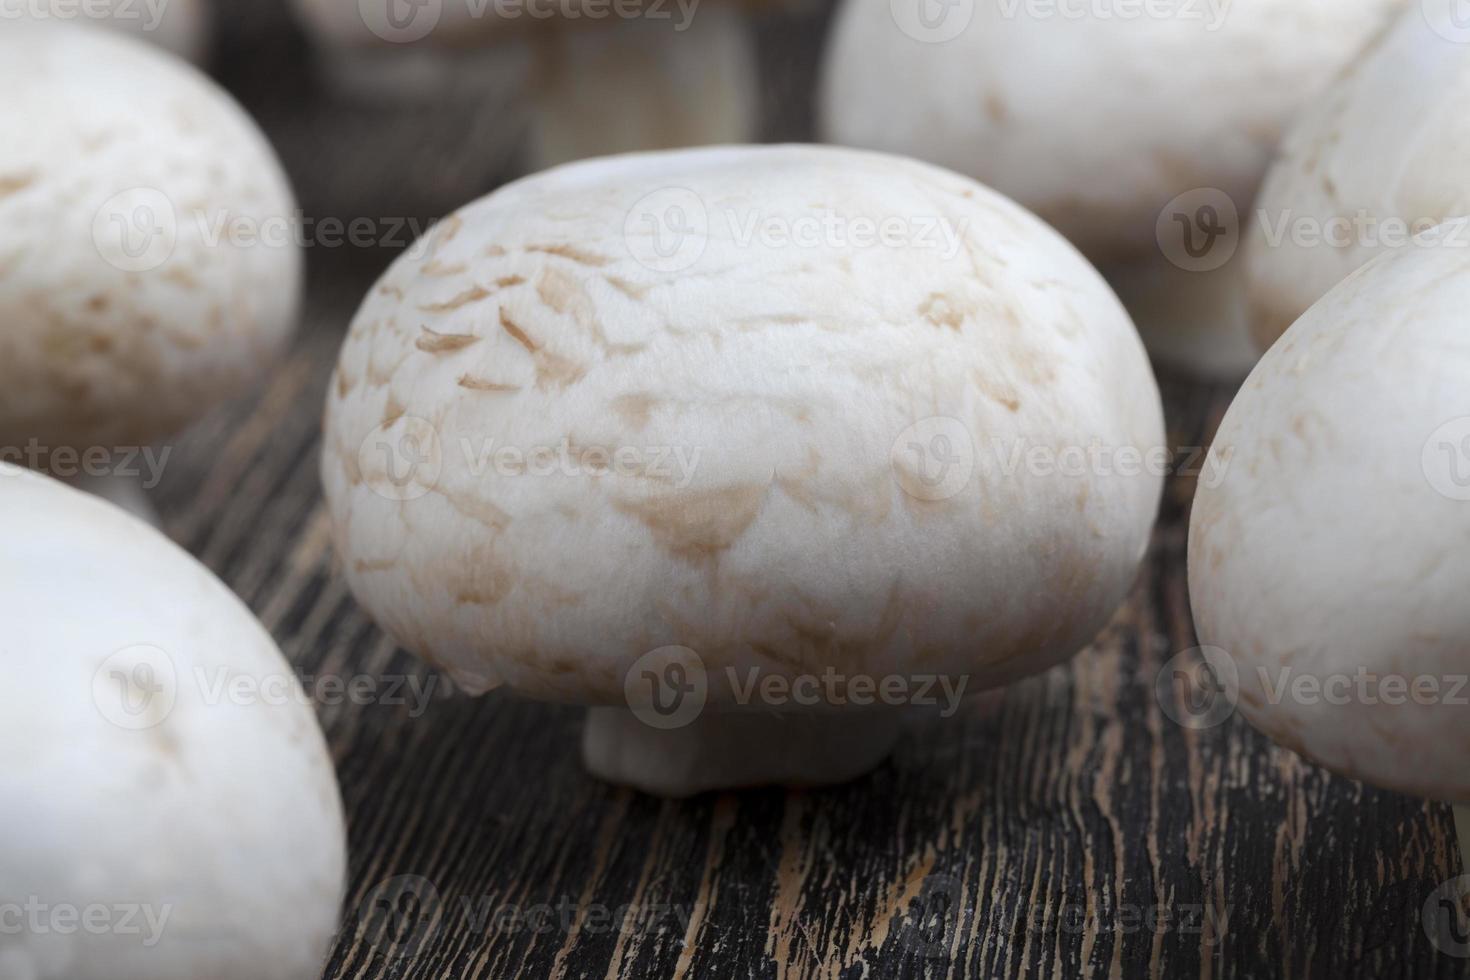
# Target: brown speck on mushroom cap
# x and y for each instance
(720, 453)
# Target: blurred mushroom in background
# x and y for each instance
(180, 26)
(1142, 138)
(583, 77)
(1381, 157)
(150, 265)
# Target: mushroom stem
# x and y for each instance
(730, 750)
(125, 492)
(1196, 321)
(1462, 834)
(644, 84)
(406, 76)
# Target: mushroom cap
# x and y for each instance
(144, 783)
(149, 264)
(1390, 141)
(1338, 541)
(1095, 123)
(778, 441)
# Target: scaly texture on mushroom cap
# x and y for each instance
(1095, 123)
(149, 255)
(1389, 142)
(147, 781)
(1338, 543)
(717, 395)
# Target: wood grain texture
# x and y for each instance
(1064, 827)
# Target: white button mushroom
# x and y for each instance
(797, 415)
(1382, 155)
(181, 26)
(174, 814)
(1332, 562)
(149, 263)
(600, 78)
(1107, 126)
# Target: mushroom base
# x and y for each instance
(1462, 833)
(736, 750)
(121, 491)
(1195, 321)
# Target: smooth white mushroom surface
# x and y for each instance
(1098, 123)
(181, 26)
(149, 255)
(1382, 155)
(793, 408)
(174, 813)
(1332, 562)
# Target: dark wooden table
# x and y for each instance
(1064, 827)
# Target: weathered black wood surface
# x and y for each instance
(1065, 827)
